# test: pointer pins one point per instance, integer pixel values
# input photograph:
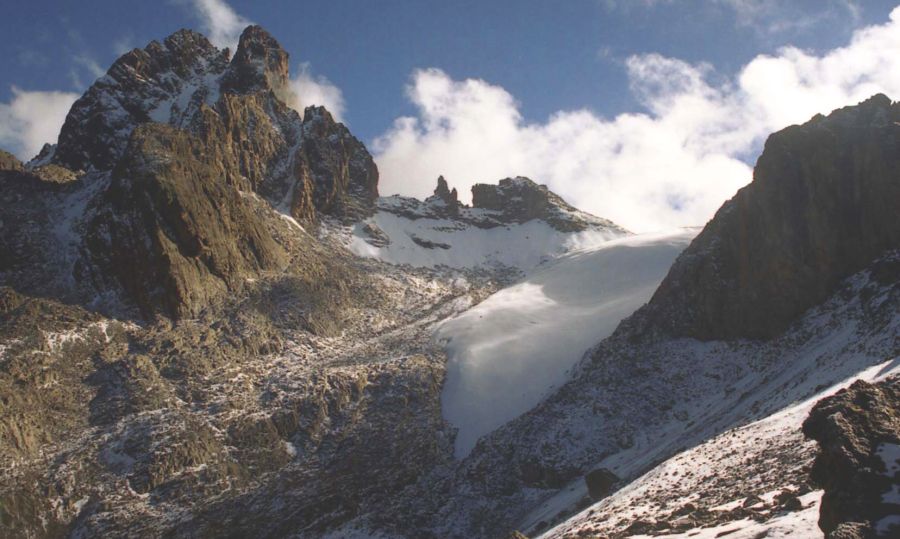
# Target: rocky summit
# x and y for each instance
(212, 325)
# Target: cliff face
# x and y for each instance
(173, 230)
(822, 205)
(143, 85)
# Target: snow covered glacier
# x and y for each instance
(509, 351)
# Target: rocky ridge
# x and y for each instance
(511, 201)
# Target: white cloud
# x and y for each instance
(30, 119)
(221, 24)
(778, 16)
(310, 89)
(672, 165)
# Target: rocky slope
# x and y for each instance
(186, 345)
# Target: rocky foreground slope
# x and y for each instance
(211, 325)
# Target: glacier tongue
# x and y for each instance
(506, 353)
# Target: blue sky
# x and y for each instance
(551, 55)
(402, 70)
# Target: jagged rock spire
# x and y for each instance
(259, 64)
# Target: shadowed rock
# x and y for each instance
(260, 64)
(822, 205)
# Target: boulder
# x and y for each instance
(858, 430)
(600, 483)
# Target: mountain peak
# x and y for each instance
(260, 63)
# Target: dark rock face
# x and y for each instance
(174, 234)
(858, 465)
(9, 161)
(450, 198)
(822, 205)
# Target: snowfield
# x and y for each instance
(456, 245)
(506, 353)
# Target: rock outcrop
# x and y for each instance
(511, 201)
(450, 198)
(9, 161)
(334, 167)
(519, 199)
(858, 464)
(822, 205)
(259, 64)
(173, 230)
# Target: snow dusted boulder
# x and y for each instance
(858, 464)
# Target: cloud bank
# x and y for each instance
(30, 119)
(671, 165)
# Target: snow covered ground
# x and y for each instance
(769, 453)
(457, 245)
(507, 352)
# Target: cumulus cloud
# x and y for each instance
(31, 119)
(312, 89)
(221, 24)
(670, 165)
